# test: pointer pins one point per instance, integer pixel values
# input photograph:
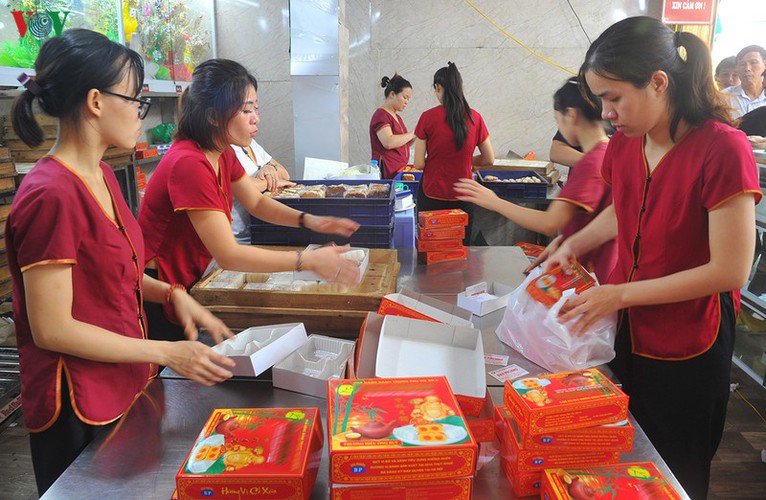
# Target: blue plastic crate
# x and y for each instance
(365, 211)
(413, 185)
(512, 190)
(365, 236)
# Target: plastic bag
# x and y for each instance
(161, 134)
(535, 331)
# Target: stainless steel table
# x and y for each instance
(140, 458)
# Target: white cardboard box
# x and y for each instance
(258, 348)
(312, 276)
(308, 369)
(481, 299)
(417, 304)
(416, 348)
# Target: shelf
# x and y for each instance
(146, 161)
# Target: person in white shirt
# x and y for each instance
(749, 94)
(268, 173)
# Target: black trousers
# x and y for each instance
(54, 449)
(681, 405)
(160, 327)
(425, 204)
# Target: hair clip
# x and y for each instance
(30, 84)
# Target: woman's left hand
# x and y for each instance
(593, 304)
(191, 315)
(331, 225)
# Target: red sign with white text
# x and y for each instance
(687, 11)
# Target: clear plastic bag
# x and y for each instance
(535, 331)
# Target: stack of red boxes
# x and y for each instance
(440, 236)
(568, 419)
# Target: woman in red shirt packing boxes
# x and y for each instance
(683, 183)
(76, 255)
(445, 139)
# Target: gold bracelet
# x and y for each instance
(299, 264)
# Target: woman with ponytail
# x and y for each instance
(584, 196)
(445, 139)
(76, 256)
(389, 139)
(684, 183)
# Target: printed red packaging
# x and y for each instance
(439, 245)
(441, 233)
(524, 483)
(454, 489)
(607, 437)
(549, 286)
(146, 153)
(442, 218)
(396, 430)
(564, 401)
(446, 256)
(480, 417)
(632, 481)
(530, 249)
(269, 453)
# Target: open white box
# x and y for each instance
(312, 276)
(414, 305)
(481, 299)
(416, 348)
(308, 369)
(258, 348)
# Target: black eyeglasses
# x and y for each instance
(143, 104)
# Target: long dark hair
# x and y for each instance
(67, 68)
(570, 95)
(454, 102)
(634, 48)
(395, 84)
(216, 93)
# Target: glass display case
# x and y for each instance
(750, 342)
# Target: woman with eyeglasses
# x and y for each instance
(584, 196)
(76, 255)
(684, 183)
(389, 139)
(186, 212)
(445, 139)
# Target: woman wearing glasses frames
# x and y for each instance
(186, 212)
(445, 139)
(76, 255)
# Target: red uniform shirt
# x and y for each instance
(586, 188)
(445, 164)
(663, 227)
(393, 160)
(56, 219)
(184, 180)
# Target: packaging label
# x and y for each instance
(499, 360)
(508, 373)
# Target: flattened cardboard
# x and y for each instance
(414, 305)
(254, 453)
(481, 299)
(258, 348)
(415, 348)
(396, 430)
(564, 401)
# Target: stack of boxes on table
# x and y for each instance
(440, 236)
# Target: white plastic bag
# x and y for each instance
(535, 331)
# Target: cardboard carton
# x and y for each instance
(254, 452)
(257, 349)
(396, 430)
(441, 233)
(415, 348)
(414, 305)
(442, 218)
(619, 482)
(308, 369)
(454, 489)
(607, 437)
(564, 401)
(482, 299)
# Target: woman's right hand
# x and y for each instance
(545, 254)
(562, 256)
(328, 263)
(471, 191)
(198, 362)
